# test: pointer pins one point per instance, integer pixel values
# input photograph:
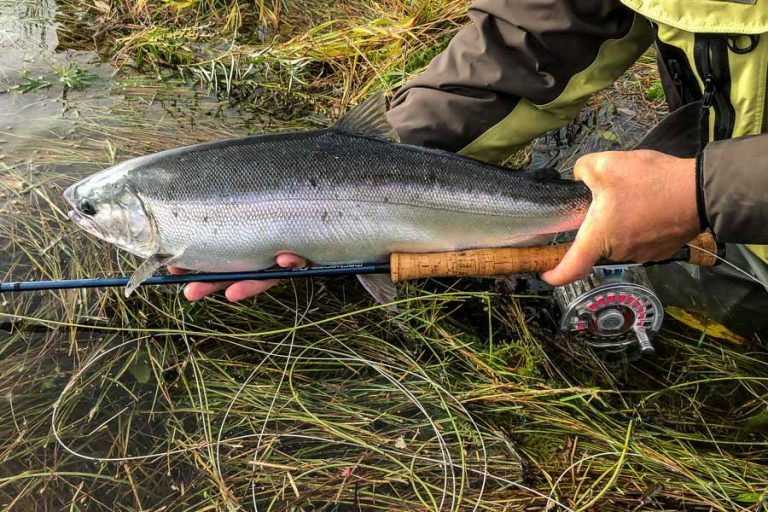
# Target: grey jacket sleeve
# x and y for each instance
(519, 69)
(733, 189)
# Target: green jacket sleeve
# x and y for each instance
(733, 189)
(518, 70)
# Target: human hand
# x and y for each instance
(237, 291)
(643, 209)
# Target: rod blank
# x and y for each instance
(212, 277)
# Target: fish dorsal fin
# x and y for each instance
(368, 119)
(678, 134)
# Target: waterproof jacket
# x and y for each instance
(524, 67)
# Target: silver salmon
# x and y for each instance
(348, 193)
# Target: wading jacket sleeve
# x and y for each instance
(518, 70)
(733, 190)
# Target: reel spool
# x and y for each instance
(614, 309)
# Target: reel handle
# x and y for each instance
(515, 260)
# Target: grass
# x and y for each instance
(71, 76)
(239, 49)
(312, 397)
(33, 83)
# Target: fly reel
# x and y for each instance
(613, 309)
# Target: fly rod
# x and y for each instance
(703, 251)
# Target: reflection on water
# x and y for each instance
(27, 36)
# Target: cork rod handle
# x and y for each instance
(510, 260)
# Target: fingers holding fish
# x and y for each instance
(643, 209)
(197, 291)
(580, 258)
(245, 289)
(236, 291)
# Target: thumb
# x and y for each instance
(577, 262)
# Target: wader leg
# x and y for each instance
(721, 294)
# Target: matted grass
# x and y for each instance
(242, 49)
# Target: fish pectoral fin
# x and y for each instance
(380, 286)
(146, 269)
(369, 119)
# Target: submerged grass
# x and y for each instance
(311, 397)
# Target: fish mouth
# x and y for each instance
(85, 223)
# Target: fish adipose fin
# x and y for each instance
(678, 134)
(368, 119)
(380, 286)
(146, 270)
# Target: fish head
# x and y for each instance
(105, 206)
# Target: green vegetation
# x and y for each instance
(33, 83)
(312, 397)
(71, 76)
(240, 48)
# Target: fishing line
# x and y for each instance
(616, 453)
(57, 406)
(276, 345)
(732, 265)
(446, 462)
(444, 451)
(292, 337)
(234, 399)
(484, 473)
(195, 373)
(344, 357)
(549, 499)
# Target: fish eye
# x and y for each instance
(87, 207)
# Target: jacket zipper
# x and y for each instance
(710, 52)
(679, 71)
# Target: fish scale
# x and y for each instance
(326, 204)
